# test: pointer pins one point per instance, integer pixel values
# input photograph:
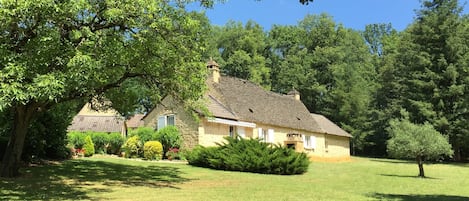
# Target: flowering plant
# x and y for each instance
(173, 153)
(80, 152)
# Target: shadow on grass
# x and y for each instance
(72, 180)
(407, 176)
(382, 196)
(394, 161)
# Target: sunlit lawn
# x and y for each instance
(105, 178)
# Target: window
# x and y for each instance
(309, 142)
(232, 131)
(266, 135)
(166, 120)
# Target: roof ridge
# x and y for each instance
(258, 86)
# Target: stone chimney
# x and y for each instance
(295, 94)
(214, 70)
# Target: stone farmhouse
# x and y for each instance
(240, 107)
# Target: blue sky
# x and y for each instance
(353, 14)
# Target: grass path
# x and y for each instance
(105, 178)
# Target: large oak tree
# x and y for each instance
(56, 51)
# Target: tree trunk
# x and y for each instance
(420, 163)
(457, 153)
(12, 158)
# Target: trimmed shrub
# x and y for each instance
(77, 139)
(153, 150)
(145, 134)
(250, 155)
(100, 141)
(88, 147)
(132, 147)
(169, 137)
(200, 156)
(115, 143)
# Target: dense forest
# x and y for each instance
(362, 79)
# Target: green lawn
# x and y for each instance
(105, 178)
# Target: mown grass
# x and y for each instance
(104, 178)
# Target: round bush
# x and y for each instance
(250, 155)
(115, 143)
(153, 150)
(88, 146)
(132, 147)
(169, 137)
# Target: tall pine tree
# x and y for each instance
(433, 64)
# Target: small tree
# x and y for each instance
(88, 146)
(421, 142)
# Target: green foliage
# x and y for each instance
(115, 143)
(132, 147)
(47, 135)
(241, 51)
(54, 52)
(145, 134)
(170, 137)
(153, 150)
(101, 141)
(88, 147)
(77, 139)
(250, 155)
(425, 72)
(409, 141)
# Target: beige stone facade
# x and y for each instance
(241, 107)
(202, 132)
(185, 122)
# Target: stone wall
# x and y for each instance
(186, 123)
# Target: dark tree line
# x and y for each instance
(363, 79)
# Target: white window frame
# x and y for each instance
(266, 135)
(309, 141)
(164, 120)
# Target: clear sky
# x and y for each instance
(353, 14)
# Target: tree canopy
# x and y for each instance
(56, 51)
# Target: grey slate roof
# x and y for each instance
(328, 127)
(249, 102)
(96, 123)
(219, 110)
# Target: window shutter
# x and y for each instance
(241, 132)
(260, 134)
(161, 122)
(304, 141)
(313, 142)
(270, 134)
